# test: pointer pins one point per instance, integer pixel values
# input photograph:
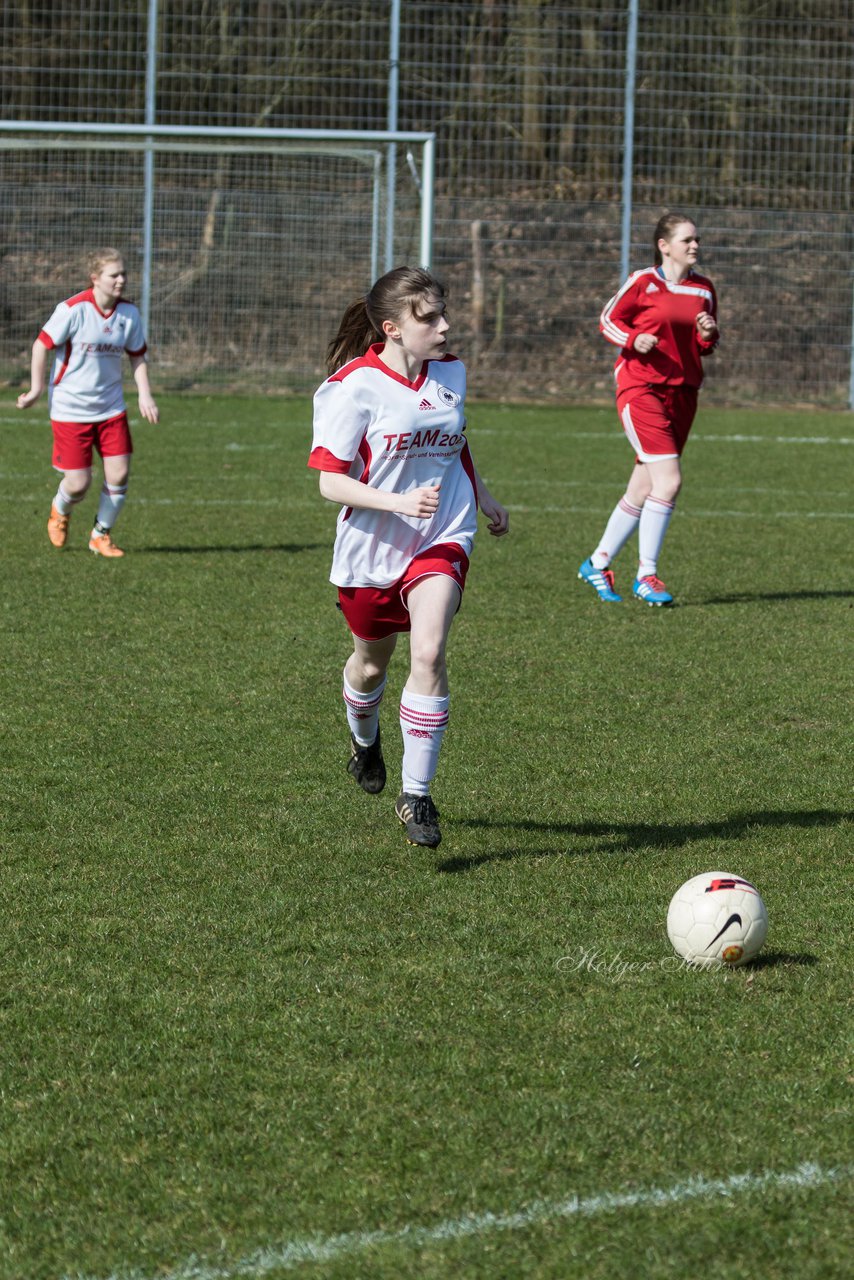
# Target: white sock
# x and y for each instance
(63, 503)
(654, 520)
(363, 712)
(423, 722)
(620, 527)
(112, 500)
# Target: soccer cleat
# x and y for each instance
(602, 580)
(57, 526)
(421, 819)
(367, 765)
(651, 590)
(103, 545)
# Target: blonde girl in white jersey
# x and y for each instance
(390, 446)
(87, 336)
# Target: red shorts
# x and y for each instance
(373, 613)
(657, 419)
(73, 441)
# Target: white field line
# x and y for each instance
(519, 482)
(602, 435)
(549, 482)
(497, 428)
(608, 435)
(286, 501)
(319, 1249)
(694, 515)
(697, 435)
(739, 439)
(700, 437)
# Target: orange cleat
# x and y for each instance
(57, 526)
(103, 545)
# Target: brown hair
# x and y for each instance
(664, 230)
(392, 297)
(99, 259)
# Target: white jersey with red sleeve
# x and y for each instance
(649, 303)
(86, 380)
(377, 427)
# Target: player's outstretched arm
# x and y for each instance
(38, 375)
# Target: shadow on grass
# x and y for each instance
(289, 548)
(754, 597)
(618, 837)
(783, 959)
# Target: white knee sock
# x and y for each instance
(363, 712)
(64, 504)
(620, 527)
(423, 722)
(112, 500)
(654, 520)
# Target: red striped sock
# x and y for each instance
(363, 712)
(423, 722)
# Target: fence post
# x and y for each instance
(628, 137)
(148, 166)
(391, 124)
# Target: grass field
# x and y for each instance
(247, 1031)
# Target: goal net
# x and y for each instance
(243, 246)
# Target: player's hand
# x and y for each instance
(149, 409)
(27, 398)
(645, 342)
(498, 516)
(706, 326)
(421, 503)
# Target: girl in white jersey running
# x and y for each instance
(390, 445)
(88, 335)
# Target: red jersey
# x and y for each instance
(649, 303)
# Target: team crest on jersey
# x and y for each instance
(448, 397)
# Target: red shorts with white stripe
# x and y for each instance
(73, 442)
(657, 419)
(373, 613)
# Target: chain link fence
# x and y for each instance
(743, 119)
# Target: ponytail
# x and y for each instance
(355, 334)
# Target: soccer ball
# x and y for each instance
(717, 919)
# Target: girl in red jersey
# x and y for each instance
(664, 320)
(89, 334)
(390, 445)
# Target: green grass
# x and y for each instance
(237, 1011)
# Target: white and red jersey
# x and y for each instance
(374, 425)
(649, 303)
(86, 380)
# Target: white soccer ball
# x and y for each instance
(717, 919)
